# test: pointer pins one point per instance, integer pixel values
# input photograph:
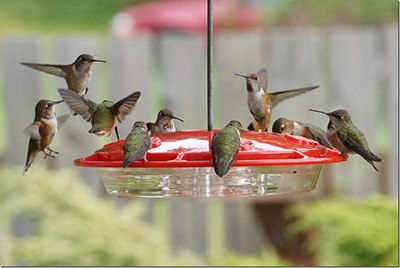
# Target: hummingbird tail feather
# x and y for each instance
(222, 167)
(126, 163)
(373, 165)
(29, 161)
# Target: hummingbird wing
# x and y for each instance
(263, 75)
(123, 107)
(33, 150)
(34, 143)
(61, 120)
(57, 70)
(78, 104)
(33, 130)
(277, 97)
(360, 148)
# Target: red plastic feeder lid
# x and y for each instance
(191, 148)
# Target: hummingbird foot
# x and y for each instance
(49, 154)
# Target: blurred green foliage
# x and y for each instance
(333, 12)
(350, 233)
(57, 15)
(52, 16)
(67, 225)
(53, 219)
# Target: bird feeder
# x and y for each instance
(180, 163)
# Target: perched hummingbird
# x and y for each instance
(42, 130)
(283, 125)
(136, 143)
(225, 146)
(77, 74)
(164, 122)
(346, 137)
(103, 116)
(260, 102)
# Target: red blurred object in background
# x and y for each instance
(187, 16)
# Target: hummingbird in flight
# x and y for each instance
(225, 145)
(285, 126)
(346, 137)
(77, 74)
(260, 102)
(42, 130)
(164, 122)
(136, 143)
(103, 116)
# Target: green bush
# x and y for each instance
(349, 233)
(70, 226)
(64, 224)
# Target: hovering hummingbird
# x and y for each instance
(309, 131)
(164, 122)
(136, 143)
(346, 137)
(225, 146)
(103, 116)
(77, 74)
(260, 102)
(42, 130)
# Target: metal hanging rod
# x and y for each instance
(209, 64)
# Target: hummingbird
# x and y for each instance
(164, 122)
(136, 143)
(42, 130)
(103, 116)
(309, 131)
(225, 145)
(260, 102)
(346, 137)
(77, 74)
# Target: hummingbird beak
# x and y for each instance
(242, 75)
(57, 102)
(177, 118)
(317, 111)
(94, 60)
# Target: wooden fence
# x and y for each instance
(356, 69)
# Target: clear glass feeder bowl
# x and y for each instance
(179, 164)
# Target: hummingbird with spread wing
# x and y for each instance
(261, 103)
(104, 116)
(77, 74)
